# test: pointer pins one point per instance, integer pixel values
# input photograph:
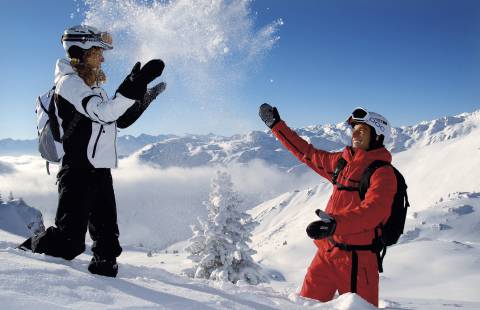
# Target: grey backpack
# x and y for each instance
(49, 137)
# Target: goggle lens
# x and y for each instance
(359, 113)
(106, 37)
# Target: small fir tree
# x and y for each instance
(219, 246)
(196, 244)
(10, 196)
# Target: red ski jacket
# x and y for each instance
(356, 219)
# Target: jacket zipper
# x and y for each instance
(96, 141)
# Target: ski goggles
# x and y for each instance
(358, 115)
(375, 120)
(103, 38)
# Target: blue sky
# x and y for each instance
(410, 60)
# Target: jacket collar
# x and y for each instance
(360, 155)
(62, 68)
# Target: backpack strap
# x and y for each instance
(54, 126)
(365, 182)
(379, 247)
(41, 105)
(341, 163)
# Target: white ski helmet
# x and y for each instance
(378, 122)
(86, 37)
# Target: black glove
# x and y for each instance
(152, 93)
(149, 72)
(135, 84)
(323, 228)
(135, 111)
(269, 115)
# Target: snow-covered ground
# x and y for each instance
(435, 266)
(145, 281)
(36, 281)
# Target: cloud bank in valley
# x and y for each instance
(155, 206)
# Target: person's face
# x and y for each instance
(361, 136)
(94, 58)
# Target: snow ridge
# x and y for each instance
(201, 150)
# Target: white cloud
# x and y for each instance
(155, 206)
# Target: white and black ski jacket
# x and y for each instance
(93, 140)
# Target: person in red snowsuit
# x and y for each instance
(347, 219)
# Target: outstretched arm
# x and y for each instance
(322, 162)
(89, 103)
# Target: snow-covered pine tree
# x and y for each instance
(196, 244)
(10, 196)
(219, 246)
(1, 200)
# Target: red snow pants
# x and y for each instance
(327, 275)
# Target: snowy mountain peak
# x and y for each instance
(438, 130)
(198, 150)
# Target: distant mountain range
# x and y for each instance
(199, 150)
(18, 147)
(126, 145)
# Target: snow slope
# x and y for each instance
(145, 281)
(19, 218)
(35, 281)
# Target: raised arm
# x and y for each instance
(90, 103)
(137, 109)
(320, 161)
(73, 89)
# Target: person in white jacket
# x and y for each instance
(83, 109)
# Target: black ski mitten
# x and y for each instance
(136, 110)
(323, 228)
(126, 88)
(152, 93)
(135, 84)
(269, 115)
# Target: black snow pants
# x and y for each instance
(86, 200)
